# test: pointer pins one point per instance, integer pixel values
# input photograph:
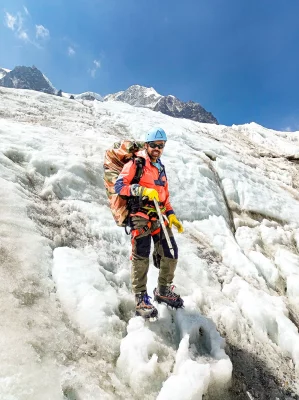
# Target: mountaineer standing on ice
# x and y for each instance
(144, 223)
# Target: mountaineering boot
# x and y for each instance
(144, 308)
(165, 294)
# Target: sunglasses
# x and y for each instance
(153, 145)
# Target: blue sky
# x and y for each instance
(238, 58)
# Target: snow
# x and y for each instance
(113, 96)
(136, 95)
(68, 328)
(86, 94)
(138, 363)
(84, 292)
(82, 96)
(200, 360)
(150, 92)
(50, 84)
(286, 142)
(3, 72)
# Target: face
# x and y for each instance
(155, 152)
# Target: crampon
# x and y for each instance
(166, 295)
(144, 308)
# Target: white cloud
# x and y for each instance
(10, 21)
(41, 32)
(71, 51)
(97, 65)
(23, 36)
(16, 24)
(26, 10)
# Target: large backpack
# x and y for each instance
(115, 159)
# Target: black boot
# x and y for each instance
(165, 294)
(144, 308)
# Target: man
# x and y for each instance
(145, 225)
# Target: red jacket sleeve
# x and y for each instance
(123, 185)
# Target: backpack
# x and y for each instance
(114, 160)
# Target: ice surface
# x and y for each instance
(138, 361)
(68, 328)
(201, 362)
(84, 292)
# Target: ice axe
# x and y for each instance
(164, 227)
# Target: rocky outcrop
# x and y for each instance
(138, 96)
(27, 78)
(141, 96)
(172, 106)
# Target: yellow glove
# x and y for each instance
(150, 193)
(173, 220)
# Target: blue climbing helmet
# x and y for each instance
(155, 134)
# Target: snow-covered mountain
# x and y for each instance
(27, 78)
(113, 96)
(33, 79)
(91, 96)
(68, 329)
(136, 95)
(141, 96)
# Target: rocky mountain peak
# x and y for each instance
(27, 78)
(138, 96)
(141, 96)
(174, 107)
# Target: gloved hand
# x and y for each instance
(150, 193)
(173, 220)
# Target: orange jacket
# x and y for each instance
(151, 178)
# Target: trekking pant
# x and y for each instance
(142, 232)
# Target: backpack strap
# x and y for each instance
(140, 163)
